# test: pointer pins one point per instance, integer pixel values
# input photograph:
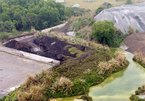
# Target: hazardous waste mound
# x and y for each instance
(48, 47)
(127, 18)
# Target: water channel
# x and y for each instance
(119, 86)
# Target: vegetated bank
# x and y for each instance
(103, 32)
(74, 76)
(140, 58)
(140, 92)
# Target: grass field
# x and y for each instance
(96, 3)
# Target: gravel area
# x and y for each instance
(14, 70)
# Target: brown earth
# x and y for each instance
(135, 42)
(45, 46)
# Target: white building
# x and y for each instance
(76, 6)
(59, 1)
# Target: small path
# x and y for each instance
(14, 70)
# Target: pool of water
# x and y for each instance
(119, 86)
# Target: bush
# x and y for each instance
(105, 32)
(140, 58)
(129, 2)
(105, 5)
(113, 65)
(82, 25)
(140, 91)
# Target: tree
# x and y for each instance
(25, 14)
(105, 32)
(129, 2)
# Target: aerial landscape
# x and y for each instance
(72, 50)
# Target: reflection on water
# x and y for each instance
(122, 87)
(119, 86)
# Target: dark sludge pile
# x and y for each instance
(45, 46)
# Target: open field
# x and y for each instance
(96, 3)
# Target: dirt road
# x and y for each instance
(14, 70)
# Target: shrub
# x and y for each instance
(113, 65)
(129, 2)
(73, 77)
(140, 91)
(105, 5)
(105, 33)
(35, 93)
(140, 58)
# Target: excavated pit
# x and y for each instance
(46, 46)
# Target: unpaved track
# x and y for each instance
(14, 70)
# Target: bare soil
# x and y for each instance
(135, 42)
(45, 46)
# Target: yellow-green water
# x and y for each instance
(120, 85)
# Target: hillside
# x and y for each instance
(81, 57)
(74, 76)
(127, 18)
(94, 4)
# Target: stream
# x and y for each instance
(119, 86)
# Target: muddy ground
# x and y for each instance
(136, 42)
(45, 46)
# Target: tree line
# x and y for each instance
(22, 15)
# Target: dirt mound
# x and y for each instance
(19, 45)
(136, 42)
(126, 17)
(46, 46)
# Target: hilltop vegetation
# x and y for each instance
(23, 14)
(139, 92)
(74, 76)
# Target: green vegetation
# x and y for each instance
(102, 7)
(82, 25)
(140, 91)
(24, 15)
(21, 15)
(129, 2)
(86, 98)
(105, 32)
(73, 77)
(80, 22)
(76, 75)
(140, 58)
(75, 51)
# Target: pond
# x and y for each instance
(119, 86)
